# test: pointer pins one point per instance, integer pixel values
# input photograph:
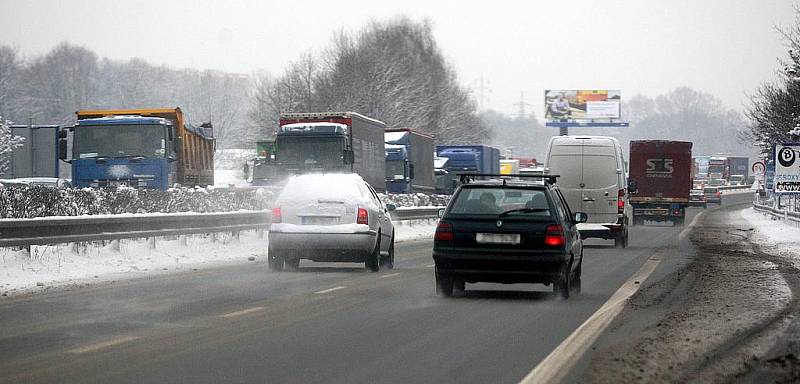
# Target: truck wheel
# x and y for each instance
(275, 261)
(373, 262)
(291, 264)
(622, 241)
(444, 285)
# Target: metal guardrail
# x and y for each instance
(785, 213)
(45, 231)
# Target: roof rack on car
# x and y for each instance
(466, 178)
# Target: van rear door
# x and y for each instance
(600, 182)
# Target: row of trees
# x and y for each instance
(774, 111)
(392, 71)
(49, 89)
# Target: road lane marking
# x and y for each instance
(329, 290)
(561, 360)
(105, 344)
(243, 312)
(430, 266)
(686, 230)
(389, 275)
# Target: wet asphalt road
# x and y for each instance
(327, 323)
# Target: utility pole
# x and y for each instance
(521, 105)
(483, 91)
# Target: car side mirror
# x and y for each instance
(411, 171)
(440, 213)
(581, 217)
(349, 157)
(391, 207)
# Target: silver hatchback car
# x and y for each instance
(330, 218)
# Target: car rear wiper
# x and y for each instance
(524, 210)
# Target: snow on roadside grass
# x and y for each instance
(775, 236)
(65, 265)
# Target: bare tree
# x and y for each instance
(8, 143)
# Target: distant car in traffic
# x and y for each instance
(508, 231)
(713, 195)
(330, 218)
(697, 198)
(737, 180)
(716, 182)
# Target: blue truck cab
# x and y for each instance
(465, 159)
(118, 151)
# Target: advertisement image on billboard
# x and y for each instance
(582, 104)
(787, 168)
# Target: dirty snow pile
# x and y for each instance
(414, 199)
(38, 201)
(775, 236)
(65, 265)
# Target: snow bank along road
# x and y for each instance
(326, 323)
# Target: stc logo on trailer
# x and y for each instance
(659, 168)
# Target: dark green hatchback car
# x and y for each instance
(508, 229)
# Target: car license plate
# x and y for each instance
(316, 220)
(497, 238)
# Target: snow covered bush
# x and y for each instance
(37, 201)
(8, 143)
(414, 199)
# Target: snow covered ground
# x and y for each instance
(66, 265)
(776, 237)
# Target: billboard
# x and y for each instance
(787, 168)
(582, 104)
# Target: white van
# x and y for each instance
(593, 180)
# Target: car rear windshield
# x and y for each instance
(530, 203)
(710, 190)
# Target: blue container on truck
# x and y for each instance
(147, 148)
(409, 161)
(467, 159)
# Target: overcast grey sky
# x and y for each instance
(725, 47)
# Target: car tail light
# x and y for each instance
(554, 236)
(444, 232)
(621, 201)
(363, 216)
(718, 194)
(276, 215)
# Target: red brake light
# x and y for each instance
(444, 232)
(554, 236)
(621, 201)
(718, 194)
(363, 216)
(276, 215)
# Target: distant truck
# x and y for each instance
(739, 166)
(264, 169)
(409, 161)
(719, 167)
(466, 159)
(38, 155)
(661, 180)
(332, 142)
(509, 166)
(147, 148)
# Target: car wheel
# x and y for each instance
(275, 261)
(373, 262)
(444, 285)
(388, 261)
(563, 285)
